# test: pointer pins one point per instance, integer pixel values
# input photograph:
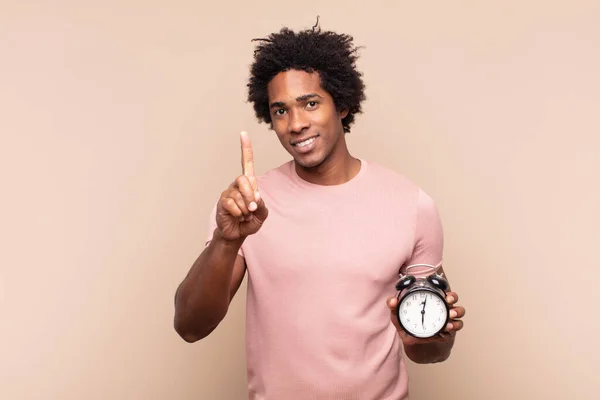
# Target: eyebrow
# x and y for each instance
(304, 97)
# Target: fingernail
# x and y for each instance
(448, 326)
(252, 206)
(453, 314)
(450, 299)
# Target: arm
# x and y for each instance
(428, 249)
(203, 298)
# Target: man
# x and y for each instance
(322, 237)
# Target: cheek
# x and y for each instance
(322, 117)
(280, 137)
(279, 126)
(328, 119)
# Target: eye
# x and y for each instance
(280, 111)
(312, 104)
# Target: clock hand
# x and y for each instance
(423, 312)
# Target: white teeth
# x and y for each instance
(305, 143)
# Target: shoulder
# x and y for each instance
(384, 175)
(401, 185)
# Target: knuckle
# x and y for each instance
(247, 195)
(241, 180)
(235, 194)
(229, 202)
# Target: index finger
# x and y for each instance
(451, 297)
(247, 156)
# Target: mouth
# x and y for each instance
(305, 143)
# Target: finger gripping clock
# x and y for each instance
(422, 308)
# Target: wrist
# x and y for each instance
(430, 351)
(229, 244)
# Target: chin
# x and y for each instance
(309, 162)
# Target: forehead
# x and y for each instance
(289, 85)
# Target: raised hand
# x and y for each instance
(241, 211)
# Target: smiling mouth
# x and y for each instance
(306, 142)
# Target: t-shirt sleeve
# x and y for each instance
(428, 247)
(212, 225)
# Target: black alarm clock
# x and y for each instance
(422, 308)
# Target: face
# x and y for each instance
(305, 118)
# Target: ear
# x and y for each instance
(344, 113)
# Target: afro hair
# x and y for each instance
(332, 55)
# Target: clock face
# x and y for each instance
(423, 313)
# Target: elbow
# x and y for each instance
(190, 337)
(195, 323)
(187, 335)
(189, 332)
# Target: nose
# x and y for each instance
(298, 121)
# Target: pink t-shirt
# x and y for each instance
(319, 272)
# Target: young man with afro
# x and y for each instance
(323, 239)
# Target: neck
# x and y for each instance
(338, 168)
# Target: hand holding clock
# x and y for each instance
(454, 324)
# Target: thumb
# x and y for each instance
(392, 303)
(261, 211)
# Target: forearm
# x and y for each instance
(431, 352)
(202, 299)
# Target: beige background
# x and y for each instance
(120, 121)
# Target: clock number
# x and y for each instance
(414, 297)
(405, 312)
(408, 303)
